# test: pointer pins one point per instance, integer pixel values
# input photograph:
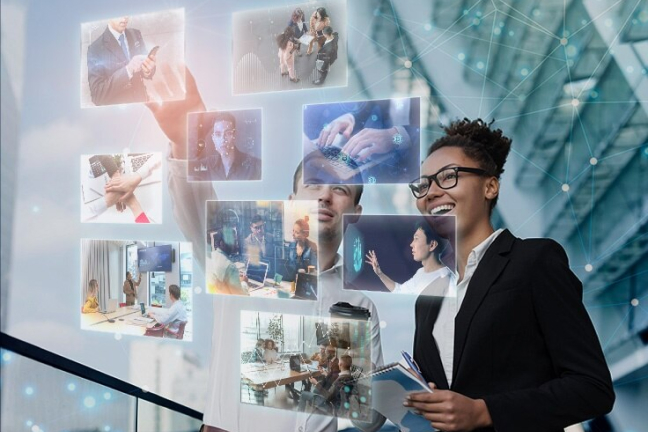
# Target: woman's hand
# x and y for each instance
(372, 259)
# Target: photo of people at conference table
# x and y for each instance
(306, 363)
(262, 248)
(137, 288)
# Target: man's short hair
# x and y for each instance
(346, 361)
(328, 30)
(224, 116)
(359, 188)
(256, 219)
(174, 291)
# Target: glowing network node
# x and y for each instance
(593, 161)
(524, 72)
(407, 64)
(476, 21)
(536, 12)
(571, 50)
(564, 41)
(575, 102)
(480, 65)
(374, 117)
(461, 56)
(511, 33)
(6, 356)
(372, 179)
(497, 30)
(427, 27)
(588, 268)
(71, 386)
(608, 22)
(107, 428)
(35, 428)
(89, 402)
(634, 302)
(383, 324)
(377, 12)
(29, 423)
(36, 209)
(29, 390)
(565, 187)
(478, 13)
(118, 336)
(630, 69)
(107, 395)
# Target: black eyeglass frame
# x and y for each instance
(414, 183)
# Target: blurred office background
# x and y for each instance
(567, 79)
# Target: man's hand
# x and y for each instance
(343, 124)
(135, 64)
(450, 411)
(172, 115)
(148, 67)
(369, 142)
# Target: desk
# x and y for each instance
(261, 377)
(272, 290)
(123, 321)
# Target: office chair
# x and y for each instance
(173, 334)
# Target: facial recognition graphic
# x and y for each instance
(306, 364)
(364, 142)
(133, 59)
(399, 254)
(290, 47)
(121, 188)
(224, 145)
(262, 248)
(137, 288)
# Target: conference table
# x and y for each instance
(260, 377)
(271, 289)
(126, 320)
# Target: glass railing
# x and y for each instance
(43, 392)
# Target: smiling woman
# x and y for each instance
(546, 369)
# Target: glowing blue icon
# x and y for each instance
(372, 179)
(374, 117)
(29, 390)
(398, 139)
(357, 254)
(71, 387)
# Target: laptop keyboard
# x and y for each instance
(138, 161)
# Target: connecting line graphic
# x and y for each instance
(590, 290)
(607, 52)
(490, 45)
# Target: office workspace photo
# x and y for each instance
(324, 216)
(137, 288)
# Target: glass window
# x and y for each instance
(157, 288)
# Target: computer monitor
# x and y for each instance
(257, 271)
(306, 286)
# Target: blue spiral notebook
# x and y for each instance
(390, 385)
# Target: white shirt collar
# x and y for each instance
(116, 34)
(480, 250)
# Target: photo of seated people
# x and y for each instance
(137, 288)
(305, 363)
(262, 248)
(363, 142)
(291, 47)
(133, 59)
(398, 254)
(224, 145)
(121, 188)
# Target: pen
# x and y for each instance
(412, 364)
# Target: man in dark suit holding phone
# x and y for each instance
(118, 63)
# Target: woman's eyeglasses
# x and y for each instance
(447, 178)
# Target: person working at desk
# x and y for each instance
(130, 288)
(330, 390)
(302, 251)
(91, 304)
(222, 275)
(257, 242)
(270, 354)
(173, 316)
